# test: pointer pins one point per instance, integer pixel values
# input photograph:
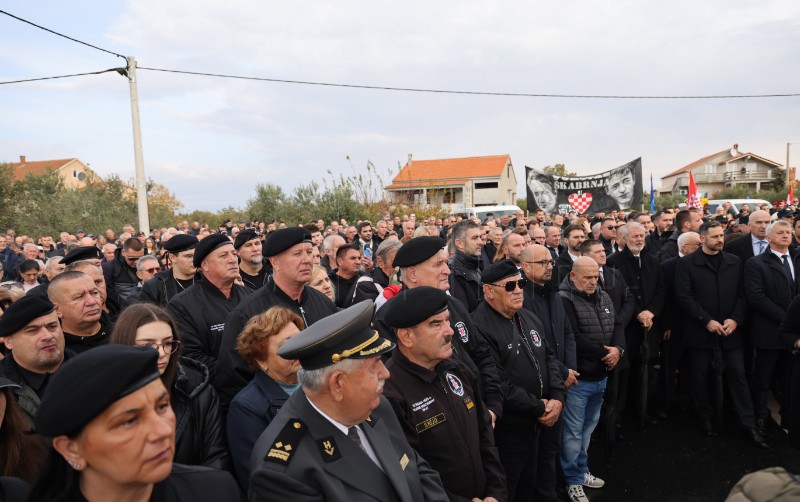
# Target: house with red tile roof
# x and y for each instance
(725, 169)
(74, 173)
(456, 183)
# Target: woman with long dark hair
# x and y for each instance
(21, 453)
(199, 436)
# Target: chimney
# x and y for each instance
(409, 161)
(21, 159)
(736, 146)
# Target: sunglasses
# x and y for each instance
(152, 270)
(510, 286)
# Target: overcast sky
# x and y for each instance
(211, 140)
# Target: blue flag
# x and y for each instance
(652, 195)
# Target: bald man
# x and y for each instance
(599, 345)
(746, 248)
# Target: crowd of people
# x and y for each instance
(440, 359)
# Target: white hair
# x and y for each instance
(631, 225)
(313, 379)
(685, 237)
(778, 223)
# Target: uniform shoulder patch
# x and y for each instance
(286, 442)
(329, 449)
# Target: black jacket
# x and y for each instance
(160, 289)
(669, 247)
(249, 414)
(233, 372)
(706, 294)
(119, 275)
(29, 394)
(465, 279)
(200, 313)
(546, 304)
(80, 344)
(593, 322)
(768, 295)
(446, 422)
(561, 269)
(343, 289)
(645, 284)
(525, 362)
(368, 287)
(742, 248)
(655, 241)
(672, 315)
(199, 438)
(469, 347)
(253, 282)
(620, 295)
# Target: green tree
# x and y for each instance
(558, 170)
(7, 195)
(269, 203)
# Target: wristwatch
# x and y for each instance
(621, 350)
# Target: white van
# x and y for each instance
(753, 204)
(481, 211)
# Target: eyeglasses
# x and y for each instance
(152, 270)
(611, 228)
(169, 346)
(544, 263)
(510, 286)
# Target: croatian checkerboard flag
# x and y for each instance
(694, 200)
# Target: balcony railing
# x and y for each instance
(749, 176)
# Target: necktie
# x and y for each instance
(760, 247)
(352, 433)
(788, 271)
(602, 280)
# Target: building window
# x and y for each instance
(480, 186)
(74, 173)
(711, 169)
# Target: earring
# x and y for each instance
(75, 465)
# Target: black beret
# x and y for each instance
(281, 240)
(82, 253)
(346, 334)
(413, 306)
(90, 382)
(498, 271)
(744, 220)
(417, 250)
(244, 237)
(721, 219)
(180, 242)
(785, 213)
(207, 246)
(23, 311)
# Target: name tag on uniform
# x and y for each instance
(404, 461)
(469, 403)
(431, 422)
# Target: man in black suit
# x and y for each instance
(552, 240)
(663, 222)
(746, 248)
(771, 283)
(643, 276)
(671, 324)
(574, 235)
(708, 288)
(608, 235)
(612, 282)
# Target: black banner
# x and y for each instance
(618, 188)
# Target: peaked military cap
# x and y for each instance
(413, 306)
(244, 237)
(207, 246)
(23, 311)
(89, 383)
(180, 242)
(498, 271)
(281, 240)
(346, 334)
(417, 250)
(82, 253)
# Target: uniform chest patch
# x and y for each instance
(461, 328)
(328, 449)
(455, 384)
(430, 423)
(537, 340)
(422, 405)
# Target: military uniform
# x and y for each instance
(448, 424)
(302, 456)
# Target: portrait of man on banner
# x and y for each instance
(619, 188)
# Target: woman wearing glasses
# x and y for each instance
(198, 433)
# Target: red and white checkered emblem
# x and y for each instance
(580, 201)
(694, 202)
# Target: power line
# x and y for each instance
(61, 34)
(473, 93)
(121, 71)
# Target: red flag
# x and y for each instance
(694, 200)
(790, 198)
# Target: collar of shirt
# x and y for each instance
(781, 255)
(574, 257)
(336, 424)
(754, 241)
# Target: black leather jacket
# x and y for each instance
(199, 438)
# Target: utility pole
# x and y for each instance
(141, 183)
(787, 164)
